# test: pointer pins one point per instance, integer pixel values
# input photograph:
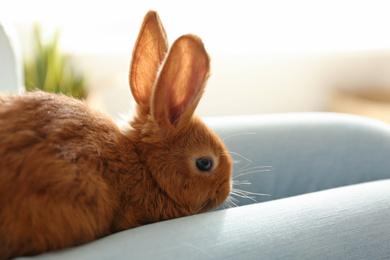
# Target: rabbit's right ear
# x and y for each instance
(149, 51)
(181, 82)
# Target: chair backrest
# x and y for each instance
(11, 66)
(307, 152)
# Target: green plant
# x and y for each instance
(50, 70)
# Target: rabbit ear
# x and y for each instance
(181, 81)
(149, 51)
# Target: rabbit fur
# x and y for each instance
(69, 174)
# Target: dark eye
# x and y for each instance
(204, 164)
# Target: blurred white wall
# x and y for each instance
(252, 84)
(267, 56)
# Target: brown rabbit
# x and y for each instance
(69, 175)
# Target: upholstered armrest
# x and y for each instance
(308, 153)
(343, 223)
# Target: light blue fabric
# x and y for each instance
(307, 152)
(344, 223)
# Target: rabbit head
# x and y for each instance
(188, 161)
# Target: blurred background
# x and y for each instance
(267, 56)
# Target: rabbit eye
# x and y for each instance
(204, 164)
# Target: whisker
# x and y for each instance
(197, 211)
(230, 199)
(245, 196)
(244, 192)
(245, 169)
(241, 182)
(225, 154)
(235, 135)
(234, 199)
(243, 157)
(259, 167)
(251, 172)
(226, 205)
(221, 132)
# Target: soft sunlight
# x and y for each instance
(267, 56)
(226, 26)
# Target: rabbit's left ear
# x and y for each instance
(149, 51)
(181, 81)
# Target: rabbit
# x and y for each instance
(70, 175)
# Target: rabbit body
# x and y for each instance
(56, 155)
(69, 174)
